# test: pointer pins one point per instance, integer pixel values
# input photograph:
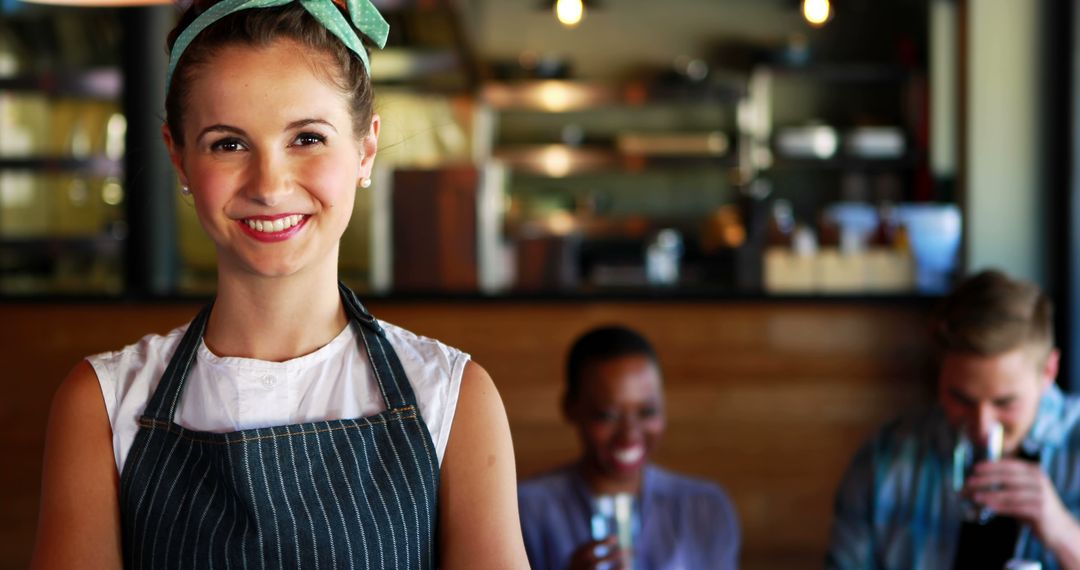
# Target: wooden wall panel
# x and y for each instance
(769, 399)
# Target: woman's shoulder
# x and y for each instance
(139, 354)
(135, 368)
(425, 356)
(435, 370)
(405, 338)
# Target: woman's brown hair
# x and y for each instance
(260, 27)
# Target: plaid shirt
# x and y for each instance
(896, 507)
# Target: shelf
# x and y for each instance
(52, 244)
(562, 96)
(105, 83)
(99, 166)
(845, 72)
(844, 163)
(558, 161)
(397, 66)
(708, 91)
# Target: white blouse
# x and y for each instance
(225, 394)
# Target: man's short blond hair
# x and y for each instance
(990, 313)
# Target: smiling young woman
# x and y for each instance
(256, 157)
(285, 426)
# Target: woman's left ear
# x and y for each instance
(369, 145)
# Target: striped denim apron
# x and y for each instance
(357, 493)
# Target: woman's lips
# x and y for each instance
(628, 456)
(273, 228)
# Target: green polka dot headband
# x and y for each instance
(363, 14)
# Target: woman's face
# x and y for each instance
(271, 158)
(619, 414)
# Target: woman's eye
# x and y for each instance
(308, 139)
(606, 416)
(227, 145)
(648, 413)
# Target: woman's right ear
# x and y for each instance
(174, 153)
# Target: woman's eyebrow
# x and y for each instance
(305, 122)
(220, 129)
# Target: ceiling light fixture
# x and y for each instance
(570, 12)
(817, 12)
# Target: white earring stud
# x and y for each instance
(365, 183)
(185, 190)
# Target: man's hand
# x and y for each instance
(1020, 489)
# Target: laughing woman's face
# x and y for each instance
(619, 415)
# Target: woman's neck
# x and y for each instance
(599, 484)
(275, 319)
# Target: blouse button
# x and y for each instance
(268, 382)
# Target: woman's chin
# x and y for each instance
(625, 471)
(268, 264)
(273, 269)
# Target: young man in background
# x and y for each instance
(902, 502)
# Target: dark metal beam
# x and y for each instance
(152, 259)
(1062, 125)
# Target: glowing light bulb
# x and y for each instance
(556, 161)
(817, 12)
(569, 12)
(555, 96)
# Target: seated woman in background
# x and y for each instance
(615, 400)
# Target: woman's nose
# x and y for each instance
(628, 427)
(270, 182)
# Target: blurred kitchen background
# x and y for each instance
(710, 147)
(775, 191)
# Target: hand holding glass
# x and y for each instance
(614, 515)
(966, 456)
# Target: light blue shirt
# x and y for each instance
(896, 507)
(686, 523)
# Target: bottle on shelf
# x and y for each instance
(790, 253)
(889, 264)
(781, 225)
(840, 265)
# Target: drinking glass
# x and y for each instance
(967, 454)
(615, 515)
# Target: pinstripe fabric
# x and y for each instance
(355, 493)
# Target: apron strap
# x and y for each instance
(166, 396)
(394, 385)
(389, 374)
